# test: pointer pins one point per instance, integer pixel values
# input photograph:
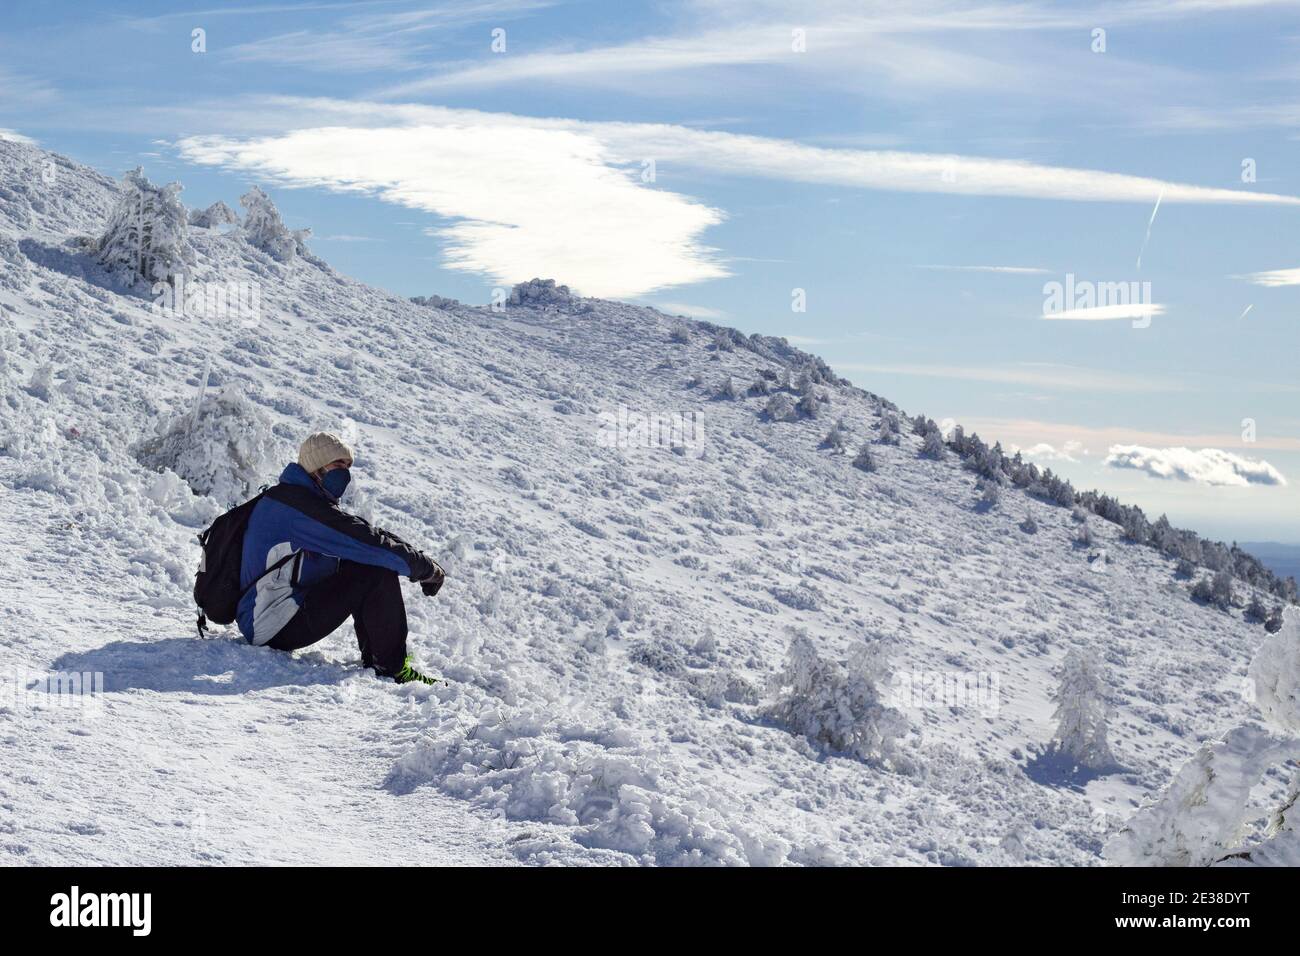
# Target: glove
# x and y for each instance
(433, 583)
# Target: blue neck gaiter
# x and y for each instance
(336, 482)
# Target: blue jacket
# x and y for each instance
(300, 518)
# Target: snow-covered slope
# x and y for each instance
(613, 613)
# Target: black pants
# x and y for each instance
(372, 597)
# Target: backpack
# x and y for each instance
(216, 585)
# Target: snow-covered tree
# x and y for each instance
(264, 228)
(760, 386)
(1029, 525)
(932, 447)
(809, 406)
(865, 459)
(728, 389)
(1082, 711)
(838, 705)
(218, 214)
(147, 234)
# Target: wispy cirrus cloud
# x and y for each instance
(378, 40)
(1207, 466)
(1107, 313)
(1010, 270)
(1035, 374)
(1275, 277)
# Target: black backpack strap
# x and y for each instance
(203, 618)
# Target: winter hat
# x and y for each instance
(321, 448)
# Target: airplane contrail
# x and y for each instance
(1151, 222)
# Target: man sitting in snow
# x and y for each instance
(335, 566)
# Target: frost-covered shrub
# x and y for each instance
(540, 292)
(837, 705)
(1084, 537)
(1203, 590)
(809, 406)
(41, 384)
(865, 460)
(147, 234)
(1273, 623)
(265, 230)
(989, 495)
(1255, 610)
(434, 301)
(679, 332)
(218, 214)
(226, 453)
(14, 268)
(1185, 569)
(1221, 589)
(659, 654)
(889, 429)
(728, 389)
(1029, 525)
(932, 447)
(1201, 816)
(801, 597)
(1082, 711)
(780, 408)
(837, 438)
(760, 386)
(722, 341)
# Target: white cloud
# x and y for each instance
(563, 199)
(16, 137)
(1275, 278)
(1208, 466)
(526, 200)
(1070, 451)
(1108, 313)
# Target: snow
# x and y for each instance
(617, 614)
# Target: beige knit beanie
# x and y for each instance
(321, 448)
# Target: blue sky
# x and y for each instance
(922, 171)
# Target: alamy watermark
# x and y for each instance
(239, 302)
(681, 433)
(23, 689)
(980, 691)
(1084, 299)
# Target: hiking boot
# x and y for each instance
(409, 673)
